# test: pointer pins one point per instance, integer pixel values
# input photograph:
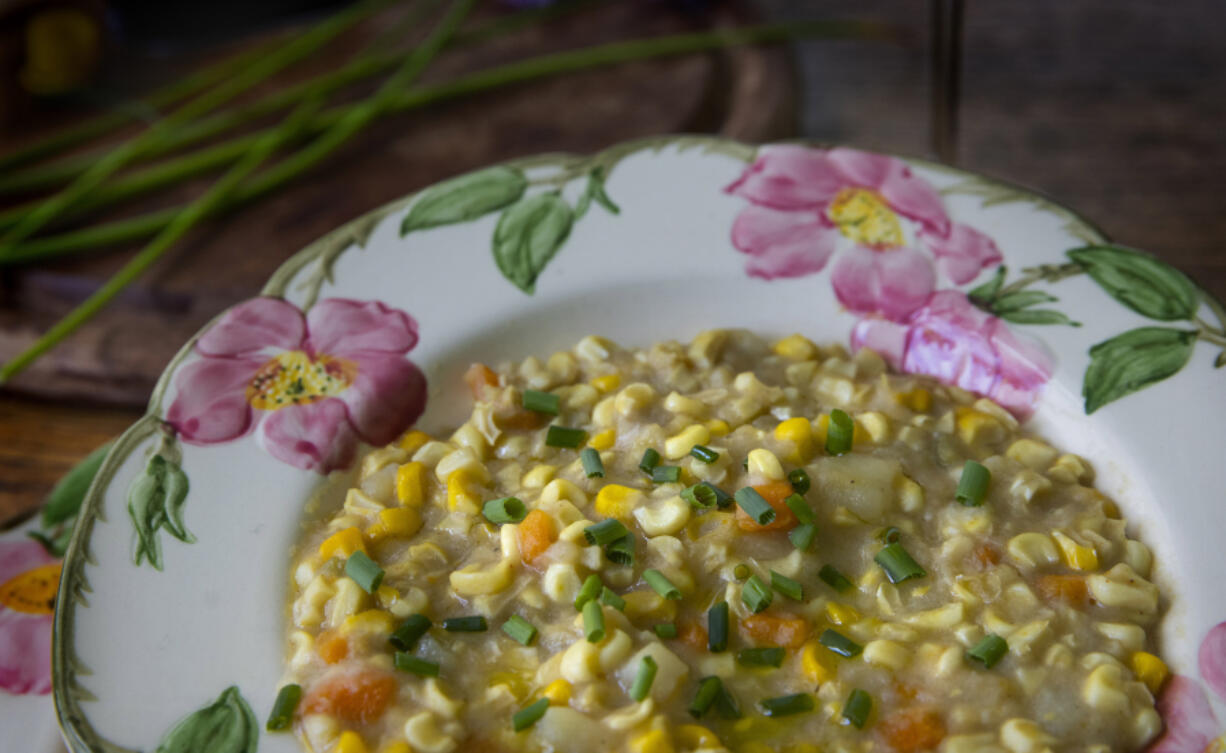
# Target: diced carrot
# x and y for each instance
(331, 646)
(536, 534)
(775, 630)
(357, 697)
(1071, 589)
(986, 554)
(480, 378)
(912, 730)
(510, 415)
(693, 635)
(774, 492)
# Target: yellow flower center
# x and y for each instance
(1217, 745)
(862, 215)
(294, 378)
(32, 592)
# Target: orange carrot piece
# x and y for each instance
(536, 534)
(1071, 589)
(331, 647)
(357, 697)
(774, 492)
(480, 378)
(986, 554)
(912, 730)
(776, 630)
(693, 635)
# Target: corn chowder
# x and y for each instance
(725, 546)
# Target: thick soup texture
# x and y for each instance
(730, 545)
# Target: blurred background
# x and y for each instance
(1112, 107)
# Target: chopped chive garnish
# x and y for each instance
(562, 436)
(802, 536)
(666, 474)
(799, 480)
(800, 508)
(666, 630)
(541, 402)
(859, 705)
(644, 678)
(700, 495)
(520, 630)
(755, 506)
(283, 708)
(839, 432)
(833, 578)
(973, 486)
(786, 705)
(726, 705)
(786, 586)
(709, 688)
(840, 644)
(605, 532)
(705, 454)
(363, 571)
(741, 571)
(991, 649)
(593, 621)
(408, 663)
(505, 510)
(593, 466)
(621, 552)
(756, 595)
(590, 590)
(764, 656)
(650, 460)
(745, 464)
(661, 584)
(611, 599)
(474, 624)
(898, 564)
(529, 715)
(889, 535)
(717, 628)
(410, 631)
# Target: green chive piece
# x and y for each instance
(989, 650)
(605, 532)
(520, 630)
(529, 715)
(726, 705)
(410, 631)
(590, 590)
(840, 644)
(709, 689)
(973, 486)
(610, 599)
(857, 708)
(800, 508)
(786, 705)
(621, 551)
(700, 495)
(661, 584)
(283, 708)
(786, 586)
(898, 563)
(705, 454)
(562, 436)
(756, 595)
(650, 460)
(541, 402)
(644, 678)
(408, 663)
(504, 510)
(363, 571)
(839, 432)
(799, 480)
(717, 627)
(889, 535)
(666, 630)
(763, 656)
(802, 536)
(593, 621)
(755, 506)
(593, 466)
(741, 571)
(833, 578)
(666, 474)
(474, 624)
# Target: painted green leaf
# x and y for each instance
(225, 726)
(1037, 316)
(155, 501)
(68, 493)
(988, 290)
(528, 234)
(465, 198)
(176, 488)
(1151, 288)
(1020, 300)
(594, 191)
(57, 544)
(1133, 360)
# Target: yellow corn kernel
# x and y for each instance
(875, 425)
(680, 444)
(558, 691)
(411, 484)
(841, 614)
(344, 542)
(460, 488)
(350, 742)
(603, 441)
(648, 603)
(800, 432)
(395, 521)
(917, 399)
(910, 494)
(607, 383)
(1076, 556)
(396, 746)
(1150, 670)
(695, 736)
(617, 501)
(718, 427)
(815, 663)
(412, 441)
(764, 463)
(368, 621)
(655, 740)
(796, 348)
(976, 426)
(859, 434)
(539, 476)
(387, 596)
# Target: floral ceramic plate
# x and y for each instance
(170, 618)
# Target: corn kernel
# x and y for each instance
(411, 484)
(1031, 453)
(680, 444)
(396, 746)
(460, 489)
(695, 736)
(800, 433)
(655, 740)
(976, 426)
(607, 383)
(813, 660)
(558, 691)
(603, 440)
(647, 603)
(764, 463)
(387, 596)
(350, 742)
(875, 425)
(368, 621)
(910, 494)
(796, 348)
(1150, 670)
(395, 521)
(413, 441)
(841, 614)
(617, 501)
(918, 399)
(1076, 556)
(718, 427)
(859, 434)
(345, 542)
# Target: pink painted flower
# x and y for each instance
(29, 579)
(805, 203)
(1191, 726)
(310, 387)
(952, 340)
